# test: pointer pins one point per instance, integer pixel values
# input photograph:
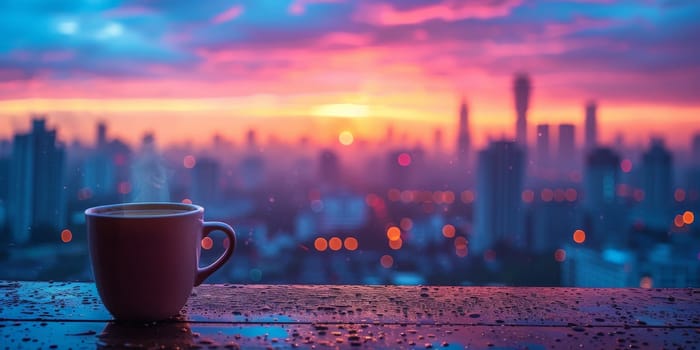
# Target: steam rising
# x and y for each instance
(149, 175)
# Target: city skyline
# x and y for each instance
(349, 65)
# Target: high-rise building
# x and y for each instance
(591, 123)
(542, 145)
(567, 146)
(604, 217)
(437, 141)
(36, 195)
(101, 135)
(463, 140)
(601, 178)
(205, 181)
(521, 88)
(657, 164)
(329, 167)
(498, 216)
(696, 148)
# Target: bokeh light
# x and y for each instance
(207, 243)
(404, 159)
(189, 161)
(579, 236)
(626, 165)
(351, 243)
(678, 221)
(679, 195)
(320, 244)
(393, 233)
(66, 236)
(528, 196)
(406, 224)
(467, 197)
(547, 195)
(387, 261)
(187, 201)
(335, 243)
(448, 231)
(646, 282)
(396, 244)
(688, 218)
(346, 138)
(560, 255)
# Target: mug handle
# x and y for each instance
(207, 228)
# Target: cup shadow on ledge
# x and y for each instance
(168, 334)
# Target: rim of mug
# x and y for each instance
(102, 210)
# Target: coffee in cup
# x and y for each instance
(145, 256)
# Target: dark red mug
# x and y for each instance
(145, 256)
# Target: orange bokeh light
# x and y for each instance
(66, 236)
(320, 244)
(646, 282)
(335, 243)
(467, 197)
(393, 233)
(579, 236)
(207, 243)
(688, 217)
(187, 201)
(351, 243)
(387, 261)
(448, 231)
(678, 221)
(461, 243)
(396, 244)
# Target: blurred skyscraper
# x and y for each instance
(567, 147)
(604, 221)
(695, 151)
(542, 145)
(591, 123)
(657, 164)
(329, 168)
(463, 138)
(36, 195)
(498, 217)
(521, 88)
(205, 181)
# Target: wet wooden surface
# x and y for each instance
(70, 315)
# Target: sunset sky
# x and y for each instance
(189, 68)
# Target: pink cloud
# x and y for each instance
(345, 39)
(228, 15)
(385, 14)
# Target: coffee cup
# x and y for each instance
(145, 256)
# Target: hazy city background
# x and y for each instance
(397, 146)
